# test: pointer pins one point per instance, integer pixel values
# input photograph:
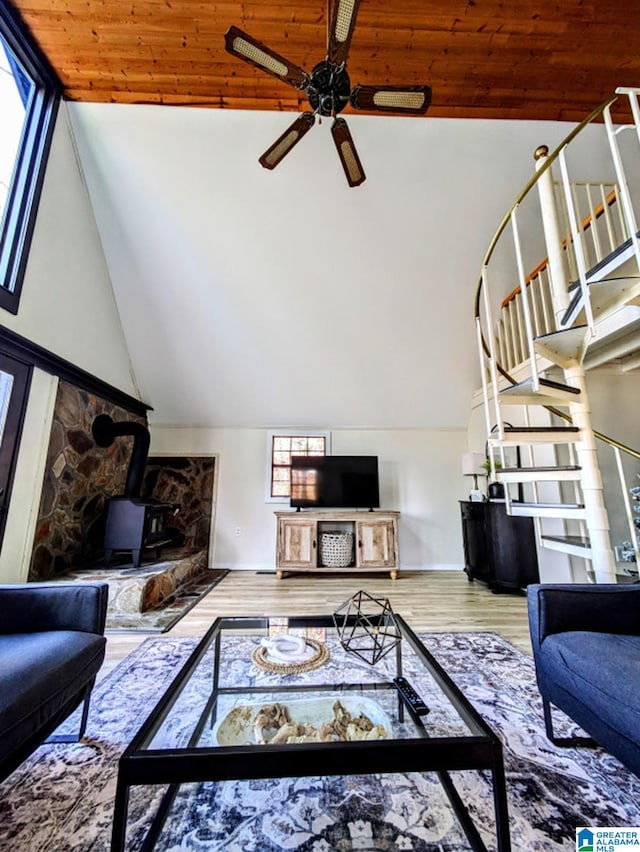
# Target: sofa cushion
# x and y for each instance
(39, 674)
(601, 671)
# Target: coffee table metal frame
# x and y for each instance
(139, 765)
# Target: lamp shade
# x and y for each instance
(473, 464)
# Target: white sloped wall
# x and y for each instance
(67, 307)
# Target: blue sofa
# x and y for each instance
(586, 647)
(51, 648)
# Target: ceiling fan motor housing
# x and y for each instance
(329, 88)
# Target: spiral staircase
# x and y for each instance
(535, 344)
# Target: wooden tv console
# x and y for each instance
(375, 540)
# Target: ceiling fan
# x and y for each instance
(328, 89)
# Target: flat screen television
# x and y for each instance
(334, 482)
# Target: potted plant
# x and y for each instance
(495, 490)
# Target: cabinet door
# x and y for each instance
(515, 559)
(376, 541)
(477, 557)
(297, 544)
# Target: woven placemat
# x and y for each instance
(319, 658)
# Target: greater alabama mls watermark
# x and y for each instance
(607, 839)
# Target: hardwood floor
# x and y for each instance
(436, 601)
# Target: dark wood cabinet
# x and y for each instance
(499, 549)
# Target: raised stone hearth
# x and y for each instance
(151, 585)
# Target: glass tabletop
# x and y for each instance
(232, 694)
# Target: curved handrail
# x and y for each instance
(551, 158)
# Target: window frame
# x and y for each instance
(289, 433)
(12, 434)
(31, 159)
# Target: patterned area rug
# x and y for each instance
(61, 799)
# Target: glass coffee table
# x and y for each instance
(213, 723)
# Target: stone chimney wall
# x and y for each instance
(79, 478)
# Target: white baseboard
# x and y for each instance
(233, 566)
(444, 566)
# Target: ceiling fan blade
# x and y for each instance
(283, 144)
(410, 99)
(347, 153)
(256, 53)
(341, 26)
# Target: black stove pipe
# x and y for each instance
(104, 430)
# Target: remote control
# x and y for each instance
(410, 697)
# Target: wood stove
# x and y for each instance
(131, 523)
(136, 525)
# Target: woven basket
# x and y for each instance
(336, 549)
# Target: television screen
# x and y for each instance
(334, 482)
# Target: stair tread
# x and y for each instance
(544, 383)
(546, 392)
(535, 435)
(551, 505)
(576, 300)
(539, 469)
(564, 347)
(560, 332)
(541, 429)
(548, 383)
(577, 540)
(605, 261)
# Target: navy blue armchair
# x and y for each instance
(586, 647)
(51, 648)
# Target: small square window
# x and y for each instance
(283, 445)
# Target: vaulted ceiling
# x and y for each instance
(528, 59)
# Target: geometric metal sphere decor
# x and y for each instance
(367, 627)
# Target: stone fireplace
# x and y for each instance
(81, 477)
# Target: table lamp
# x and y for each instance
(473, 465)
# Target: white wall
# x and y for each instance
(67, 304)
(420, 475)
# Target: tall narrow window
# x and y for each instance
(15, 92)
(29, 96)
(15, 378)
(283, 445)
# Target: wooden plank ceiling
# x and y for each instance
(522, 59)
